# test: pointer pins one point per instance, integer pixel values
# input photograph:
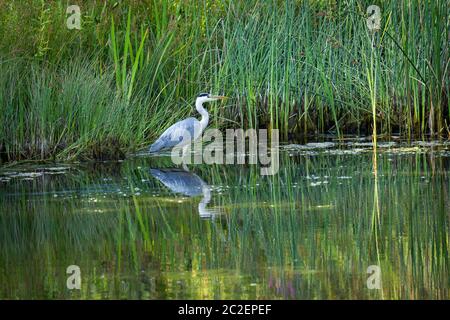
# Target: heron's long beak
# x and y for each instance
(219, 97)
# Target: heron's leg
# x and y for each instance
(185, 157)
(186, 154)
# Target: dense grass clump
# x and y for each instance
(300, 66)
(124, 228)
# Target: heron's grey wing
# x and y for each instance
(178, 181)
(175, 134)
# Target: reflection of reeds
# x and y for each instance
(372, 72)
(147, 246)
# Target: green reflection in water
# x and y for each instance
(309, 232)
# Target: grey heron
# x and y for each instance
(188, 184)
(182, 133)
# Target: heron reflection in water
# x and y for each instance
(188, 184)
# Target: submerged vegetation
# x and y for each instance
(135, 66)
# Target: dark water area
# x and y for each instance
(143, 228)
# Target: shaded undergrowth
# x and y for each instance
(135, 68)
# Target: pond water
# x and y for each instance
(141, 229)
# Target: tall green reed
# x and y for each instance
(300, 67)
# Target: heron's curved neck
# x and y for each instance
(205, 116)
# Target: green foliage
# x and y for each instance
(299, 66)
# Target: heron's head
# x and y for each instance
(205, 97)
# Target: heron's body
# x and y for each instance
(186, 131)
(187, 184)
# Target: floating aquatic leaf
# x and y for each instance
(345, 151)
(405, 150)
(309, 146)
(428, 143)
(370, 144)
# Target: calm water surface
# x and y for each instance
(141, 229)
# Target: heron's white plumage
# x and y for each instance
(186, 131)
